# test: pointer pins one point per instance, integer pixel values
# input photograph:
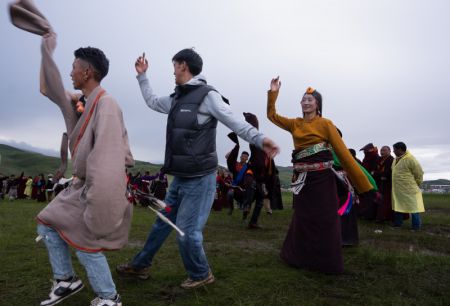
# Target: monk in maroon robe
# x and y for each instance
(383, 178)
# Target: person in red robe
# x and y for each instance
(367, 208)
(383, 178)
(41, 188)
(34, 189)
(22, 180)
(220, 199)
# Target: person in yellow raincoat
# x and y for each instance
(407, 175)
(28, 188)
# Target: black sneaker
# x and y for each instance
(62, 289)
(253, 226)
(98, 301)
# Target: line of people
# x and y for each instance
(229, 193)
(27, 187)
(155, 184)
(398, 179)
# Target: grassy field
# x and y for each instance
(396, 267)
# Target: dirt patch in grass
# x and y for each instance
(170, 294)
(403, 246)
(247, 246)
(439, 210)
(135, 244)
(437, 230)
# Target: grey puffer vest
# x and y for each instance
(190, 146)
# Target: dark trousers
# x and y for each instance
(254, 193)
(415, 220)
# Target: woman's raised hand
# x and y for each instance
(275, 84)
(141, 64)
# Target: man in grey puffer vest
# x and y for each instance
(190, 156)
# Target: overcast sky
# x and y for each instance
(382, 67)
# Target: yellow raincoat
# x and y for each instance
(407, 175)
(28, 188)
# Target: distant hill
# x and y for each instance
(14, 161)
(436, 182)
(285, 174)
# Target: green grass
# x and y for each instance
(396, 267)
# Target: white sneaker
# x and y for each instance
(98, 301)
(62, 290)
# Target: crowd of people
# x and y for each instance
(155, 185)
(36, 188)
(94, 214)
(251, 179)
(230, 195)
(398, 179)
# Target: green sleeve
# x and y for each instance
(337, 163)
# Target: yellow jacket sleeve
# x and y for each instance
(282, 122)
(357, 177)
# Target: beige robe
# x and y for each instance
(93, 213)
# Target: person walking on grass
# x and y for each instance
(238, 170)
(190, 156)
(407, 175)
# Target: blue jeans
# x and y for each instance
(190, 200)
(415, 220)
(95, 264)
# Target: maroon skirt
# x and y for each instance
(313, 240)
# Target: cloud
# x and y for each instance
(434, 160)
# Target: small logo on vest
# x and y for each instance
(185, 110)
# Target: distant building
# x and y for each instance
(432, 188)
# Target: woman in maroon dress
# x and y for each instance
(313, 240)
